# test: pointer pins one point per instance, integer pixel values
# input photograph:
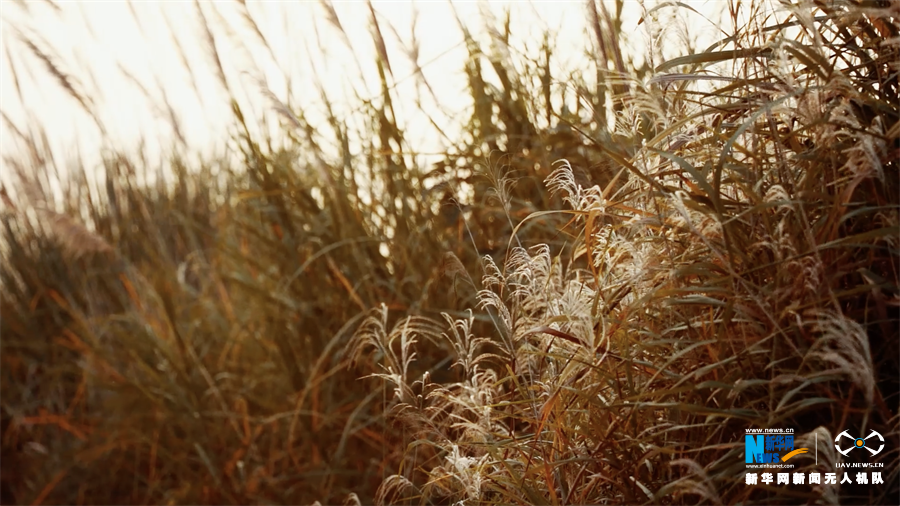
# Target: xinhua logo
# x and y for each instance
(770, 448)
(858, 442)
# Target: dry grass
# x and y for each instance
(691, 249)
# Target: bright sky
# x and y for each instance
(118, 54)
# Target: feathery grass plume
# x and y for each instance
(696, 482)
(395, 348)
(68, 82)
(73, 236)
(844, 346)
(466, 473)
(396, 489)
(821, 441)
(563, 179)
(466, 346)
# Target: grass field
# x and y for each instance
(605, 281)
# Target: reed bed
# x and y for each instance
(586, 301)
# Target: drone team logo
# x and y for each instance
(767, 453)
(858, 442)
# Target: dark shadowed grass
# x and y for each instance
(716, 250)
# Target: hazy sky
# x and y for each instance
(125, 59)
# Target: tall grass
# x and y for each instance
(587, 301)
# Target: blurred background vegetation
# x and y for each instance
(635, 261)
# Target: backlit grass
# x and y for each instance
(604, 282)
